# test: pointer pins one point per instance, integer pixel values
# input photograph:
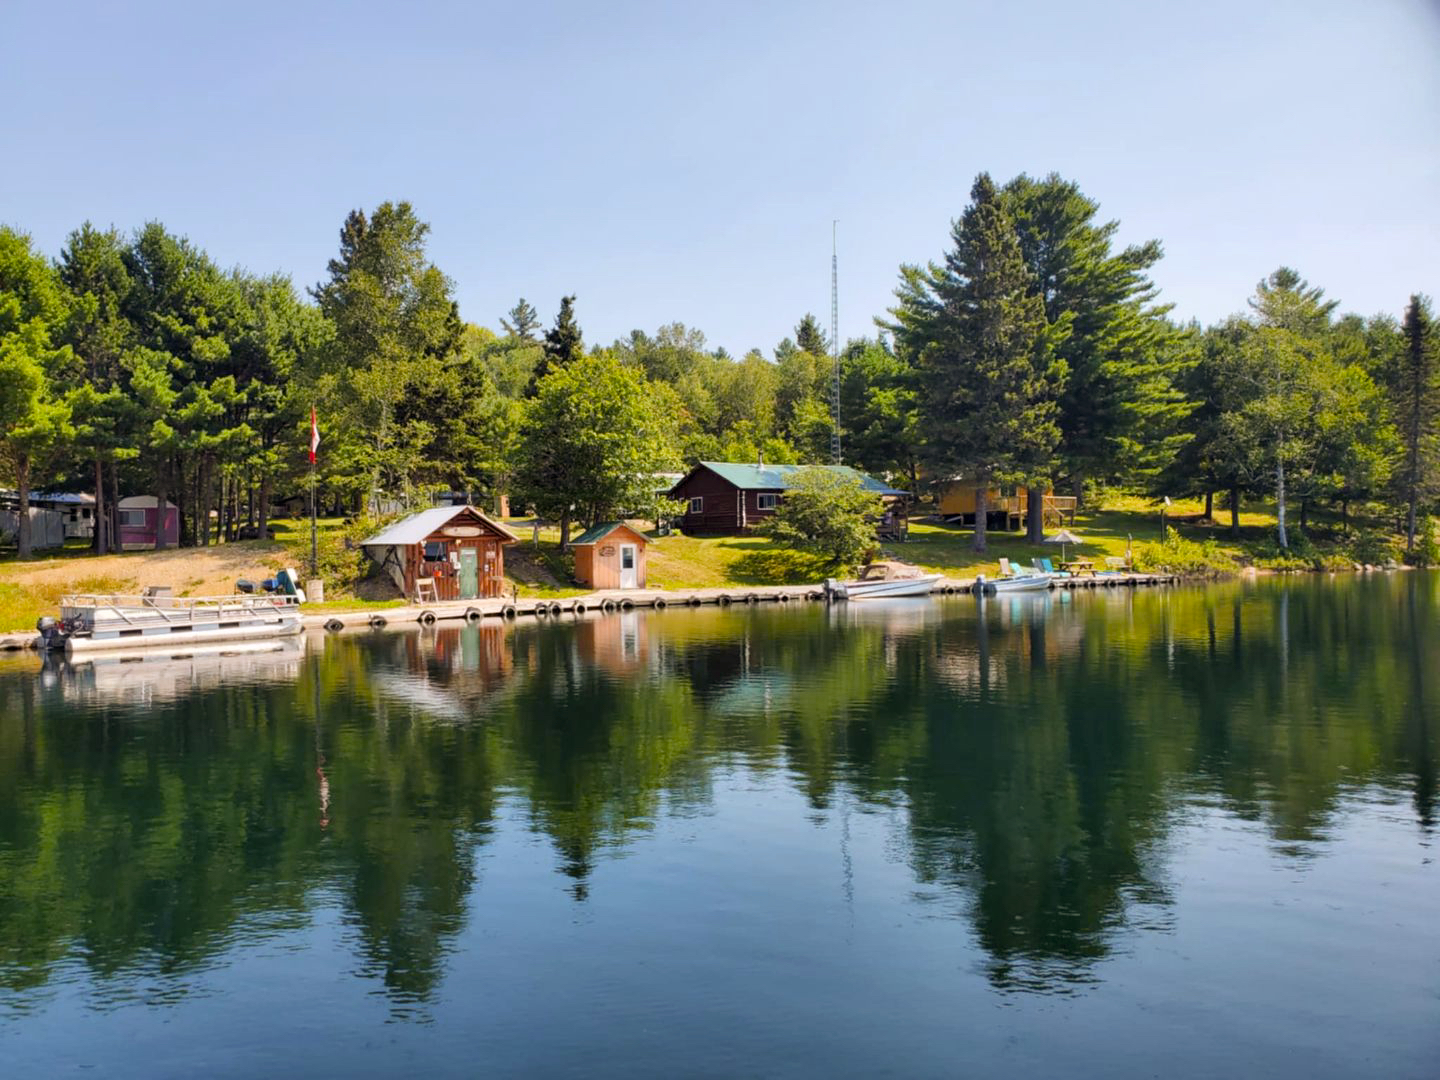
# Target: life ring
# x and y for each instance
(334, 625)
(377, 622)
(473, 614)
(426, 618)
(508, 611)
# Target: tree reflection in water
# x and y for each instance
(1035, 759)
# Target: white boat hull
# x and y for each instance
(1019, 584)
(886, 590)
(200, 634)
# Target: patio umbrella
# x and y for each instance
(1063, 537)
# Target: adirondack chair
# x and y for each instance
(1049, 568)
(1114, 564)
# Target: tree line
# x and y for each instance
(1034, 352)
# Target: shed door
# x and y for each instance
(627, 566)
(469, 573)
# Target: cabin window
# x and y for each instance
(435, 551)
(134, 519)
(697, 504)
(766, 502)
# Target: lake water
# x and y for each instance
(1180, 833)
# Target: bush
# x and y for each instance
(1374, 549)
(1176, 555)
(828, 514)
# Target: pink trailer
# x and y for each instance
(140, 522)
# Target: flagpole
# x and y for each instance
(314, 532)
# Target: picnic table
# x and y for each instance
(1079, 566)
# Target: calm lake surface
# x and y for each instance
(1181, 833)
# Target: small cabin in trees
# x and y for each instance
(611, 556)
(725, 497)
(445, 553)
(1005, 507)
(143, 521)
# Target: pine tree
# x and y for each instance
(810, 338)
(1415, 391)
(1120, 410)
(564, 344)
(523, 321)
(988, 375)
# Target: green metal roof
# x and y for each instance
(599, 532)
(781, 477)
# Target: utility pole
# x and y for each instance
(835, 346)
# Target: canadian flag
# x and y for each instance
(314, 434)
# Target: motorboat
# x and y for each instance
(1016, 584)
(884, 580)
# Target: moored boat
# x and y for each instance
(886, 580)
(1020, 583)
(96, 621)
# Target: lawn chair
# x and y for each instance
(1114, 564)
(1050, 569)
(425, 590)
(1006, 570)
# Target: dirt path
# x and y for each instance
(188, 571)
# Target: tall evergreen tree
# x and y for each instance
(523, 321)
(986, 355)
(1415, 392)
(32, 313)
(810, 337)
(1119, 407)
(92, 269)
(394, 315)
(564, 344)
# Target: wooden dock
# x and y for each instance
(612, 600)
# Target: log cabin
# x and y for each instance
(729, 498)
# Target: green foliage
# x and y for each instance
(591, 441)
(1177, 555)
(524, 320)
(394, 318)
(985, 351)
(829, 514)
(1119, 404)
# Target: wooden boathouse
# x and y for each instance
(445, 553)
(611, 556)
(728, 498)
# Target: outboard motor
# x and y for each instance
(52, 632)
(244, 585)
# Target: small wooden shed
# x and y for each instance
(446, 553)
(611, 556)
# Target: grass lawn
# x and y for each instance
(31, 588)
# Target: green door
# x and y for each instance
(469, 573)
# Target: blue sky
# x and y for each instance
(684, 161)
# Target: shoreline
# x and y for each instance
(605, 601)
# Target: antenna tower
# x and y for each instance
(834, 347)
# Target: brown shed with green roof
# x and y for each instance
(611, 556)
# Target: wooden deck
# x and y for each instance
(610, 600)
